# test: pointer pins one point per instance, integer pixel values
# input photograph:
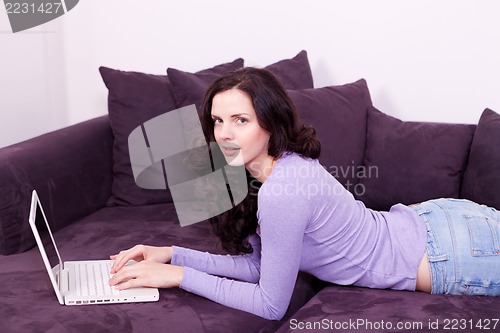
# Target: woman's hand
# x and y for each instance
(140, 253)
(148, 274)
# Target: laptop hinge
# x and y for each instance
(64, 281)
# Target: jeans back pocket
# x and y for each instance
(483, 235)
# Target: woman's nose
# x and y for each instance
(225, 132)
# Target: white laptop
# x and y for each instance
(80, 282)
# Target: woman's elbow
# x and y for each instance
(274, 314)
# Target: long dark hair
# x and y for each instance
(277, 114)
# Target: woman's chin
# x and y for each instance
(234, 160)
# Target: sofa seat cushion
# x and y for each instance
(482, 177)
(134, 98)
(410, 162)
(356, 309)
(25, 287)
(338, 113)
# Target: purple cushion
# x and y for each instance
(69, 168)
(481, 181)
(338, 113)
(293, 73)
(89, 238)
(189, 88)
(409, 162)
(133, 99)
(365, 310)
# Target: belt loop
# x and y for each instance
(442, 257)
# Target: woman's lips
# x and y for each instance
(230, 151)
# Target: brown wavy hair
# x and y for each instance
(277, 114)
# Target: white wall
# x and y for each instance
(32, 82)
(423, 59)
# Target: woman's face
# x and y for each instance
(236, 129)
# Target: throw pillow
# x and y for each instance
(189, 88)
(338, 113)
(134, 98)
(293, 73)
(410, 162)
(481, 181)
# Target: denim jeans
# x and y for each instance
(463, 246)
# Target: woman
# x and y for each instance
(307, 221)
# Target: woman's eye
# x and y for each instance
(216, 121)
(241, 120)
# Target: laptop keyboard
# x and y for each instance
(93, 279)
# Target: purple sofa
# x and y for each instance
(83, 176)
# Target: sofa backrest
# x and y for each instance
(339, 115)
(409, 162)
(481, 182)
(71, 170)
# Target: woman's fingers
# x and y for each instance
(140, 253)
(122, 277)
(130, 277)
(132, 283)
(136, 253)
(148, 274)
(117, 263)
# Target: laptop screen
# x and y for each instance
(45, 241)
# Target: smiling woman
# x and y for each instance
(238, 132)
(260, 119)
(309, 222)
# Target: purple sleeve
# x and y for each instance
(241, 267)
(282, 225)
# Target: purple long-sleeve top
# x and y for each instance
(309, 222)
